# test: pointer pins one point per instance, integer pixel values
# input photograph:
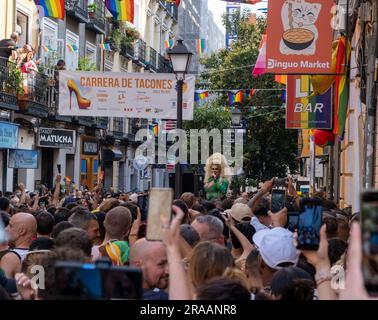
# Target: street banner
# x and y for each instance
(23, 159)
(303, 110)
(8, 135)
(116, 94)
(299, 37)
(56, 138)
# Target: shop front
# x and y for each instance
(56, 146)
(8, 140)
(89, 162)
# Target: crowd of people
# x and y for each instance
(223, 249)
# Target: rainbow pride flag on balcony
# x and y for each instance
(105, 46)
(235, 97)
(168, 43)
(51, 8)
(201, 46)
(71, 47)
(122, 10)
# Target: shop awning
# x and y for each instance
(112, 154)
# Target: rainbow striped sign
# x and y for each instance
(304, 111)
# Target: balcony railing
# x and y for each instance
(26, 93)
(140, 52)
(8, 86)
(153, 60)
(127, 50)
(97, 17)
(164, 65)
(78, 10)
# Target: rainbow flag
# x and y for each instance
(259, 68)
(46, 49)
(201, 46)
(168, 43)
(280, 78)
(71, 47)
(105, 46)
(200, 95)
(341, 93)
(250, 93)
(235, 97)
(122, 10)
(154, 128)
(51, 8)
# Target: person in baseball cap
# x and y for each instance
(276, 250)
(240, 212)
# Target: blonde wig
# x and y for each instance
(220, 160)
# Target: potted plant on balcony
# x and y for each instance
(114, 39)
(92, 8)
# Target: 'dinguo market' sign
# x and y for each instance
(56, 138)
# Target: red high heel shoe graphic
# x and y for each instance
(82, 102)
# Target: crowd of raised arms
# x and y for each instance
(224, 249)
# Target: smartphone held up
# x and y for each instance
(159, 210)
(369, 222)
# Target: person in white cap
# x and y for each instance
(134, 197)
(240, 212)
(276, 250)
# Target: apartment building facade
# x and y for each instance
(106, 144)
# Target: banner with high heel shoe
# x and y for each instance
(116, 94)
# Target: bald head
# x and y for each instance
(117, 223)
(143, 250)
(151, 257)
(22, 229)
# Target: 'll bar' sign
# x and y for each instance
(56, 138)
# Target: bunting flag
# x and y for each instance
(47, 48)
(200, 95)
(154, 128)
(105, 46)
(235, 97)
(168, 43)
(283, 96)
(71, 47)
(250, 93)
(280, 78)
(176, 2)
(259, 68)
(201, 46)
(51, 8)
(122, 10)
(341, 88)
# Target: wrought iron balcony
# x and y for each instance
(164, 65)
(32, 97)
(127, 50)
(96, 15)
(78, 9)
(8, 85)
(140, 53)
(153, 60)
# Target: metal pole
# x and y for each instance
(371, 107)
(178, 186)
(312, 166)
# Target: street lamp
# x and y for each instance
(236, 116)
(180, 57)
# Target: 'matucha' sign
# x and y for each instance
(56, 138)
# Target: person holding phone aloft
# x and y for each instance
(216, 181)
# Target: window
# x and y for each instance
(23, 27)
(72, 57)
(90, 52)
(50, 52)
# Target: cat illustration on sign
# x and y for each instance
(300, 33)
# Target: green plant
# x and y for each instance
(85, 64)
(115, 39)
(13, 83)
(92, 7)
